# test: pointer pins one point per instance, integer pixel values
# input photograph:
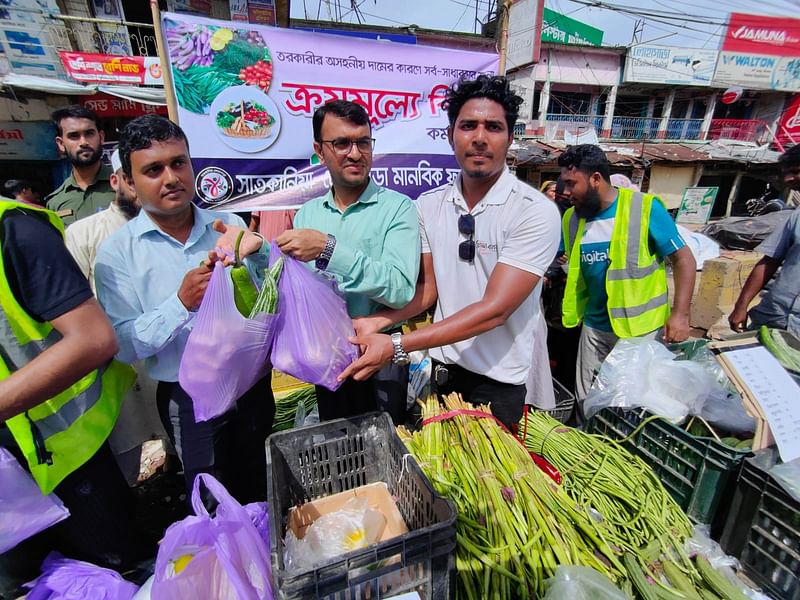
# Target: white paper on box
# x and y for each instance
(775, 391)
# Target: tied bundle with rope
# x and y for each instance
(515, 523)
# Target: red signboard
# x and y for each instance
(107, 106)
(755, 34)
(789, 126)
(105, 68)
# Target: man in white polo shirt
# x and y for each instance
(487, 239)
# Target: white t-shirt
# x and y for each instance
(514, 225)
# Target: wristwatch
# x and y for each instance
(400, 358)
(325, 256)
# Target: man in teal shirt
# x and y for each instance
(367, 238)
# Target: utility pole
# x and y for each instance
(638, 31)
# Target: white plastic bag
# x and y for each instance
(788, 476)
(643, 373)
(419, 376)
(354, 526)
(581, 583)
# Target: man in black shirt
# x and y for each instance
(47, 284)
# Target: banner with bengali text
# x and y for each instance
(276, 78)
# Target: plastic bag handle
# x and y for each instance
(226, 501)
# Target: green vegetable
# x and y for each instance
(286, 407)
(244, 290)
(776, 344)
(730, 441)
(267, 301)
(237, 55)
(679, 580)
(745, 444)
(197, 86)
(645, 589)
(718, 583)
(225, 119)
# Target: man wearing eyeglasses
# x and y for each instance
(487, 240)
(365, 236)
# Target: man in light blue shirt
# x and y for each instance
(150, 285)
(365, 236)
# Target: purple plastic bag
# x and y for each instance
(226, 353)
(68, 579)
(229, 559)
(312, 327)
(24, 510)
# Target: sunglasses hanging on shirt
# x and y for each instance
(466, 226)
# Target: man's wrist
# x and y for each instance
(325, 255)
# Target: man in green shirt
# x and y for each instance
(365, 236)
(88, 188)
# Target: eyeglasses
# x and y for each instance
(466, 226)
(344, 146)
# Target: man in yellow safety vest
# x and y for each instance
(616, 240)
(60, 389)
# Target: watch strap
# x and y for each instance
(327, 252)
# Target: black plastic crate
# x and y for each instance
(565, 403)
(335, 456)
(763, 529)
(699, 472)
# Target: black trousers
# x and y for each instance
(100, 528)
(385, 391)
(230, 447)
(505, 400)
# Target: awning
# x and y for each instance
(146, 95)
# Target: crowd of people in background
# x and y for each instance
(96, 318)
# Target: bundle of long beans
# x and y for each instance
(599, 473)
(515, 525)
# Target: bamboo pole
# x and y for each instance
(166, 71)
(506, 4)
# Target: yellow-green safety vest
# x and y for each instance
(636, 281)
(62, 433)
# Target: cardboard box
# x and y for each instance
(378, 498)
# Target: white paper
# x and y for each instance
(775, 391)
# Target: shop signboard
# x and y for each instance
(760, 52)
(696, 204)
(524, 32)
(647, 63)
(29, 140)
(789, 125)
(105, 68)
(276, 78)
(561, 29)
(107, 106)
(25, 37)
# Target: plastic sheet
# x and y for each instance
(642, 372)
(67, 579)
(581, 583)
(222, 557)
(226, 353)
(788, 476)
(745, 233)
(312, 327)
(354, 526)
(24, 510)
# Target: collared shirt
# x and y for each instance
(780, 304)
(376, 258)
(84, 237)
(138, 273)
(83, 203)
(515, 225)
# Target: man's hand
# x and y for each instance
(677, 328)
(364, 326)
(738, 318)
(193, 287)
(377, 352)
(302, 244)
(227, 242)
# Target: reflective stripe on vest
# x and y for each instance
(59, 435)
(636, 282)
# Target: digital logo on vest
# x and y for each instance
(214, 185)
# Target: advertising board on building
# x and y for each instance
(25, 38)
(28, 140)
(105, 68)
(649, 63)
(696, 204)
(524, 32)
(246, 106)
(760, 52)
(561, 29)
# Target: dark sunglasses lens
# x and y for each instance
(466, 224)
(466, 250)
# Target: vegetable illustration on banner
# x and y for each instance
(246, 94)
